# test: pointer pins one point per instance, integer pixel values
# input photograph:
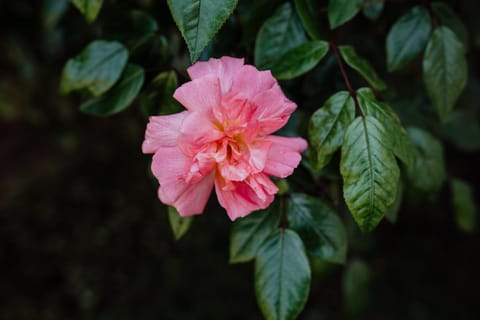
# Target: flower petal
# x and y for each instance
(284, 155)
(200, 94)
(162, 131)
(224, 68)
(249, 82)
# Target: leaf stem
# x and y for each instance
(352, 92)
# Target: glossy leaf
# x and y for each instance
(200, 20)
(463, 201)
(428, 172)
(280, 33)
(341, 11)
(369, 170)
(300, 60)
(362, 66)
(327, 127)
(392, 213)
(249, 233)
(444, 70)
(408, 37)
(307, 10)
(402, 147)
(449, 19)
(319, 226)
(373, 8)
(282, 276)
(356, 287)
(158, 97)
(96, 68)
(89, 8)
(121, 95)
(178, 224)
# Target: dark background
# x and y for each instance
(83, 236)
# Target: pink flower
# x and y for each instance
(223, 139)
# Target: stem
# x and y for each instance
(352, 92)
(283, 213)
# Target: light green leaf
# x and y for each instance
(462, 129)
(370, 171)
(280, 33)
(373, 8)
(121, 95)
(200, 20)
(341, 11)
(307, 10)
(282, 276)
(402, 146)
(158, 99)
(249, 233)
(96, 68)
(449, 19)
(300, 60)
(319, 226)
(362, 66)
(428, 172)
(408, 37)
(89, 8)
(463, 205)
(327, 127)
(179, 225)
(356, 287)
(444, 70)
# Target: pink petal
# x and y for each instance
(258, 153)
(249, 82)
(284, 155)
(162, 131)
(200, 94)
(168, 166)
(224, 68)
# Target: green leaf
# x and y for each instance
(158, 97)
(373, 8)
(282, 276)
(179, 225)
(280, 33)
(327, 127)
(132, 28)
(341, 11)
(444, 70)
(249, 233)
(300, 60)
(392, 213)
(321, 229)
(362, 66)
(200, 20)
(463, 130)
(356, 287)
(402, 146)
(307, 10)
(121, 95)
(463, 205)
(449, 19)
(89, 8)
(370, 171)
(96, 68)
(428, 172)
(408, 37)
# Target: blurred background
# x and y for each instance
(83, 236)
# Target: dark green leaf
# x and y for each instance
(449, 19)
(327, 127)
(308, 10)
(428, 172)
(408, 37)
(463, 205)
(392, 213)
(249, 233)
(121, 95)
(321, 229)
(300, 60)
(52, 12)
(282, 276)
(341, 11)
(370, 171)
(462, 129)
(200, 20)
(158, 98)
(132, 28)
(96, 68)
(356, 287)
(280, 33)
(373, 8)
(362, 66)
(89, 8)
(402, 147)
(444, 70)
(179, 225)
